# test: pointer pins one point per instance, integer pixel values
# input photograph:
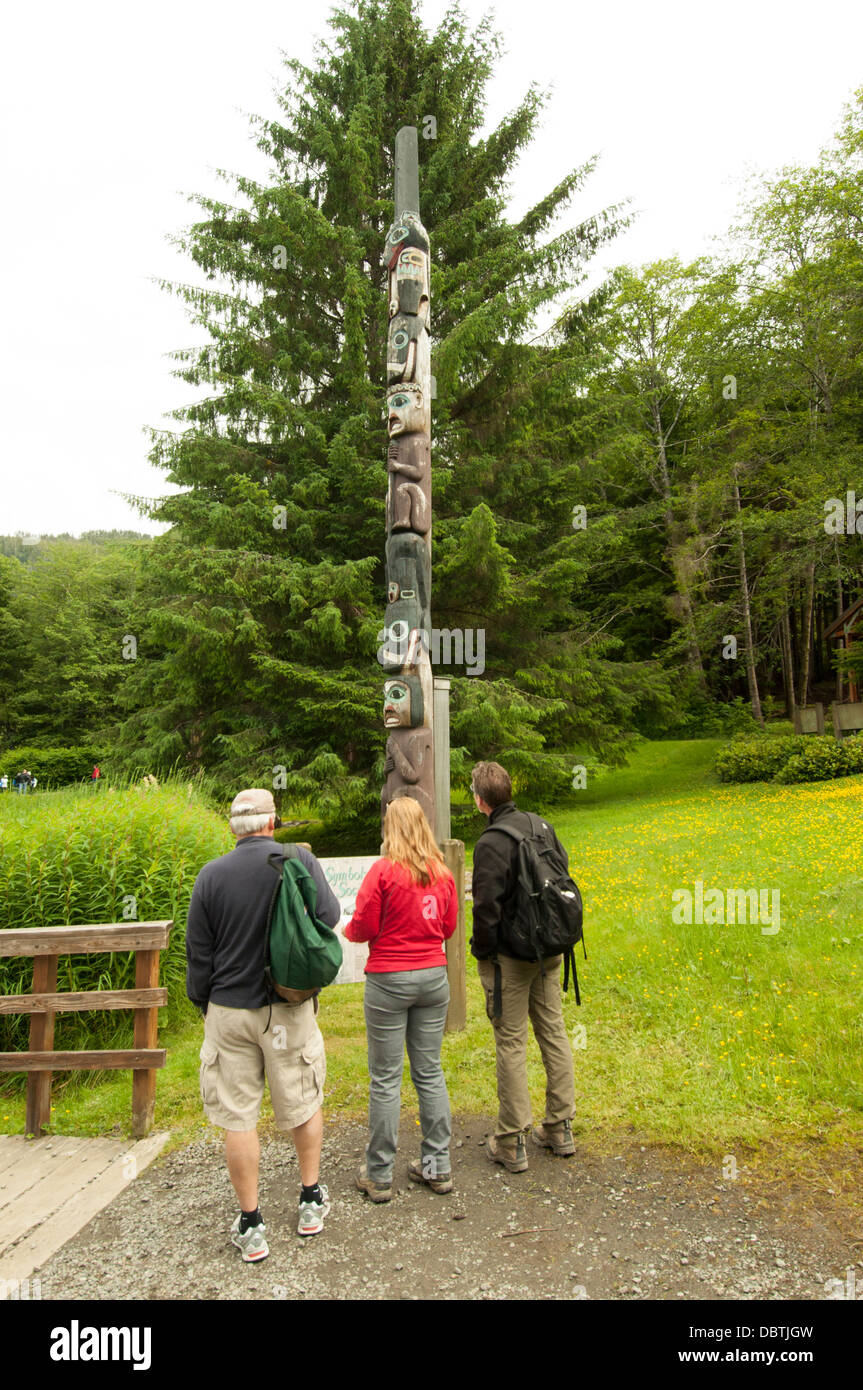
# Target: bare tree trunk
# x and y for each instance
(751, 674)
(679, 565)
(806, 640)
(788, 665)
(840, 608)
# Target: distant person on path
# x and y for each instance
(525, 992)
(245, 1034)
(4, 783)
(406, 908)
(95, 775)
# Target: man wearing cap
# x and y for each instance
(248, 1035)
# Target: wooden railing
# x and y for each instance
(45, 945)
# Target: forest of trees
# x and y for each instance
(675, 462)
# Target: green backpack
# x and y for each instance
(303, 953)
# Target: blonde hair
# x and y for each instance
(408, 840)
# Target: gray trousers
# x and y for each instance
(407, 1006)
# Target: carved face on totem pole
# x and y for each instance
(408, 349)
(407, 230)
(403, 703)
(408, 410)
(409, 582)
(409, 284)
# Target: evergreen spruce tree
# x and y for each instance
(259, 651)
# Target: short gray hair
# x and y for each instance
(249, 825)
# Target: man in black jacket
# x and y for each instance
(525, 992)
(245, 1035)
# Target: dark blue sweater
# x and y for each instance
(227, 923)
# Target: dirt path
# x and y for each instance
(640, 1223)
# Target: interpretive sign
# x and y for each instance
(344, 877)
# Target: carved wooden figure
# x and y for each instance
(409, 769)
(409, 284)
(408, 350)
(409, 491)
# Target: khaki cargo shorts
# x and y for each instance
(237, 1054)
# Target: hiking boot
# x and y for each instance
(251, 1242)
(512, 1156)
(416, 1174)
(311, 1218)
(378, 1191)
(558, 1138)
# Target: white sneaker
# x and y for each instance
(312, 1214)
(250, 1242)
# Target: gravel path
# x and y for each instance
(642, 1223)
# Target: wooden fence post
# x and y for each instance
(41, 1040)
(456, 947)
(146, 1036)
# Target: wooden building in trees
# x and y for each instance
(841, 631)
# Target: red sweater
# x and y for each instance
(405, 923)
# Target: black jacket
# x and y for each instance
(227, 923)
(495, 871)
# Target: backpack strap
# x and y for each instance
(569, 963)
(511, 830)
(275, 862)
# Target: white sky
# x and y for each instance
(111, 114)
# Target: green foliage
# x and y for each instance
(72, 606)
(703, 717)
(822, 759)
(53, 767)
(80, 856)
(756, 760)
(800, 758)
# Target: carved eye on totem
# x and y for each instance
(401, 339)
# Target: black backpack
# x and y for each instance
(548, 913)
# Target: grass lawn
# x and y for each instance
(709, 1036)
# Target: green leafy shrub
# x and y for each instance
(54, 767)
(799, 758)
(73, 857)
(755, 760)
(823, 758)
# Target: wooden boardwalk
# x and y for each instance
(51, 1187)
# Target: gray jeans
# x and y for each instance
(407, 1006)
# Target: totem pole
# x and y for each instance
(408, 693)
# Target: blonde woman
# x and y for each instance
(406, 909)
